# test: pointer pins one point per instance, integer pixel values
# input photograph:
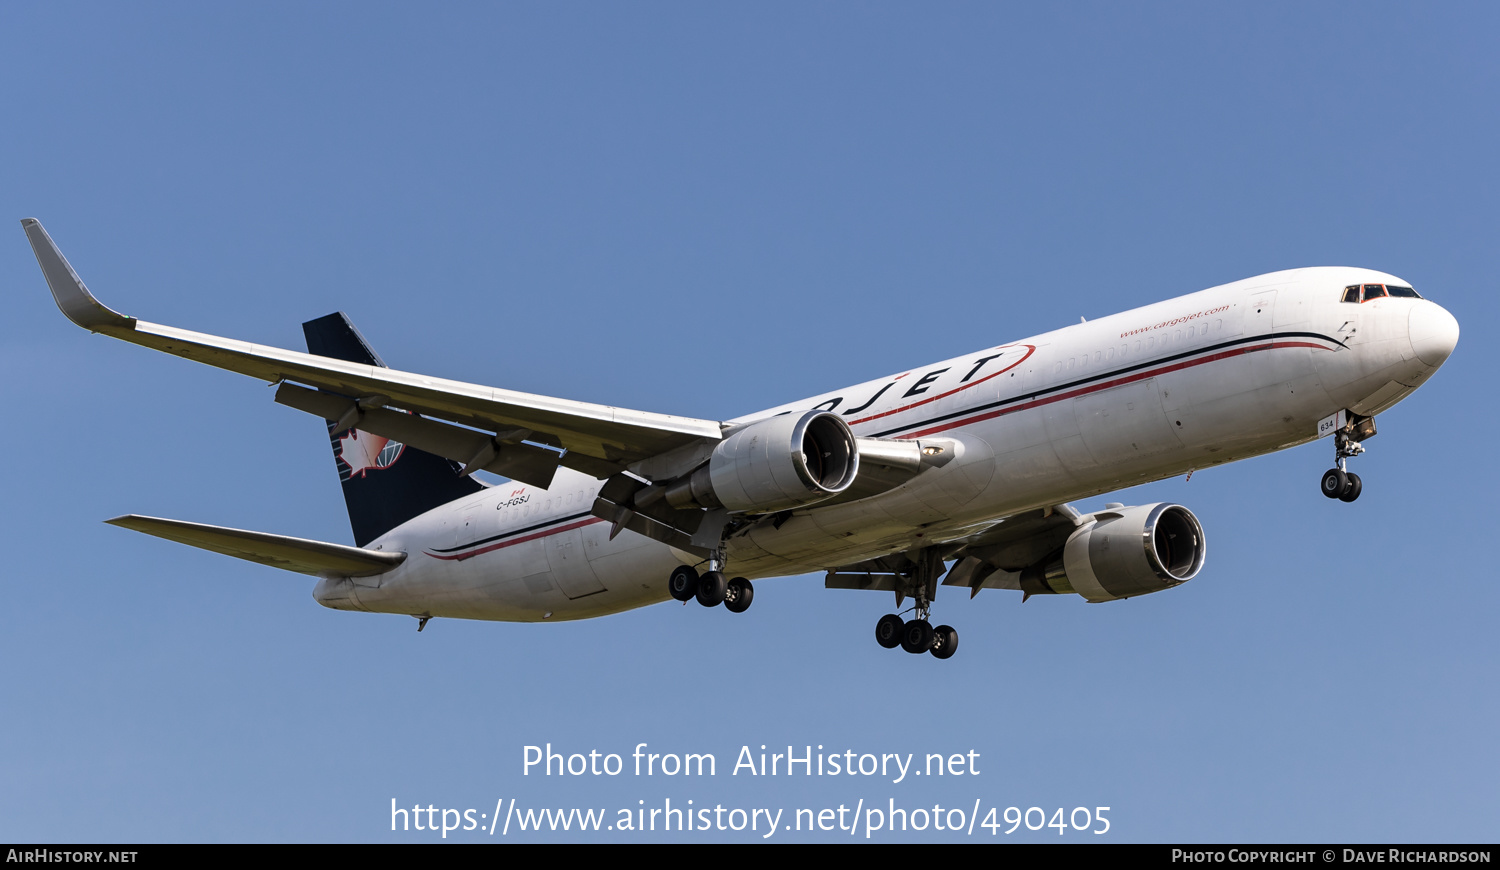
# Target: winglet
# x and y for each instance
(72, 297)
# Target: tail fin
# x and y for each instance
(385, 482)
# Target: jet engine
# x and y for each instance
(1123, 553)
(774, 464)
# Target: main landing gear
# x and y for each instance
(917, 636)
(711, 588)
(1340, 482)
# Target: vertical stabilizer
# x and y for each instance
(385, 482)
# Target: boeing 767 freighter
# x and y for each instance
(953, 474)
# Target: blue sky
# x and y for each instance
(707, 210)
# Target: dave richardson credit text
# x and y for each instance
(1325, 855)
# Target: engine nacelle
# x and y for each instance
(1124, 553)
(774, 464)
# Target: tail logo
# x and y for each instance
(360, 452)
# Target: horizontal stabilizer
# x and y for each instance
(278, 551)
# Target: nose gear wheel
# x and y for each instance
(1335, 481)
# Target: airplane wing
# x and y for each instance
(278, 551)
(600, 440)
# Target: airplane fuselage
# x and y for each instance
(1216, 376)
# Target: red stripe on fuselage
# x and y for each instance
(1105, 385)
(503, 544)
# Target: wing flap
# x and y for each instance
(616, 435)
(1022, 540)
(279, 551)
(512, 459)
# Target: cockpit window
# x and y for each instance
(1352, 293)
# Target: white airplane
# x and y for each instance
(969, 461)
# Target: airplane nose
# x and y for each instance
(1433, 333)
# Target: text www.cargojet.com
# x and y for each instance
(512, 817)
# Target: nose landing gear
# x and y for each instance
(1340, 482)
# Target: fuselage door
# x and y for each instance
(1260, 313)
(1294, 310)
(1125, 423)
(468, 525)
(570, 568)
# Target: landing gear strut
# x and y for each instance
(711, 588)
